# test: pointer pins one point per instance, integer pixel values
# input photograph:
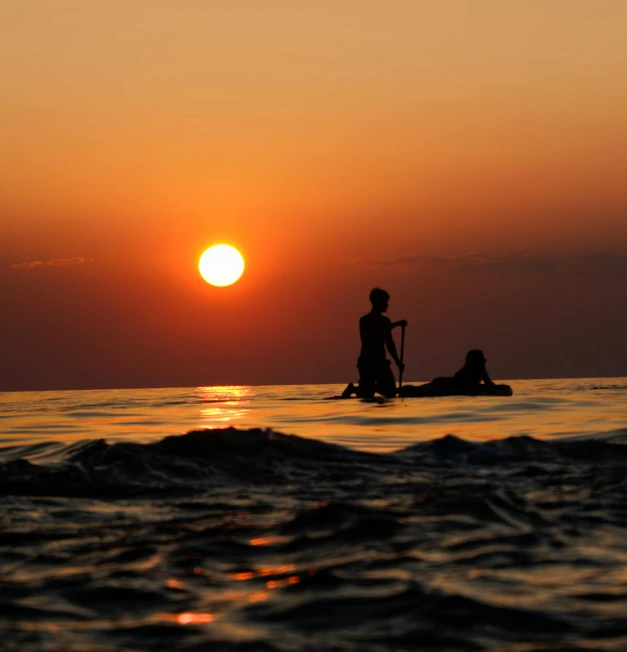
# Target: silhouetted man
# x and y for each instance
(375, 331)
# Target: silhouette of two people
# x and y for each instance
(375, 373)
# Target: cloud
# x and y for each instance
(497, 263)
(55, 262)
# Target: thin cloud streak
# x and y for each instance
(535, 264)
(55, 262)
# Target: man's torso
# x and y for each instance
(373, 330)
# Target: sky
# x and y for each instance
(469, 156)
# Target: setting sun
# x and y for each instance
(221, 265)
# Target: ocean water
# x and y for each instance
(268, 518)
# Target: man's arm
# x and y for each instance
(391, 347)
(402, 322)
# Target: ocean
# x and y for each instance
(268, 518)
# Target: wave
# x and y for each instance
(220, 538)
(611, 449)
(202, 459)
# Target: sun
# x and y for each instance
(221, 265)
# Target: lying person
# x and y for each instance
(472, 379)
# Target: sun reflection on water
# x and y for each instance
(223, 405)
(189, 618)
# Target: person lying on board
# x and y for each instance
(472, 379)
(375, 332)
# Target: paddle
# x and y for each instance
(400, 371)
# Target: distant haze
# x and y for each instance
(469, 157)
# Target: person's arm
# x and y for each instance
(402, 322)
(486, 378)
(391, 347)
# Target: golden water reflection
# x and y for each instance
(222, 406)
(189, 618)
(543, 409)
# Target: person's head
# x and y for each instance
(475, 359)
(379, 299)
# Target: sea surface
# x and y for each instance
(268, 518)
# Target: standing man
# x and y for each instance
(375, 330)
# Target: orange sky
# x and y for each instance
(339, 145)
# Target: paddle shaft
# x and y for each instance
(400, 371)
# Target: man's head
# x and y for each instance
(379, 299)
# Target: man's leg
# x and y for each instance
(349, 391)
(367, 382)
(386, 383)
